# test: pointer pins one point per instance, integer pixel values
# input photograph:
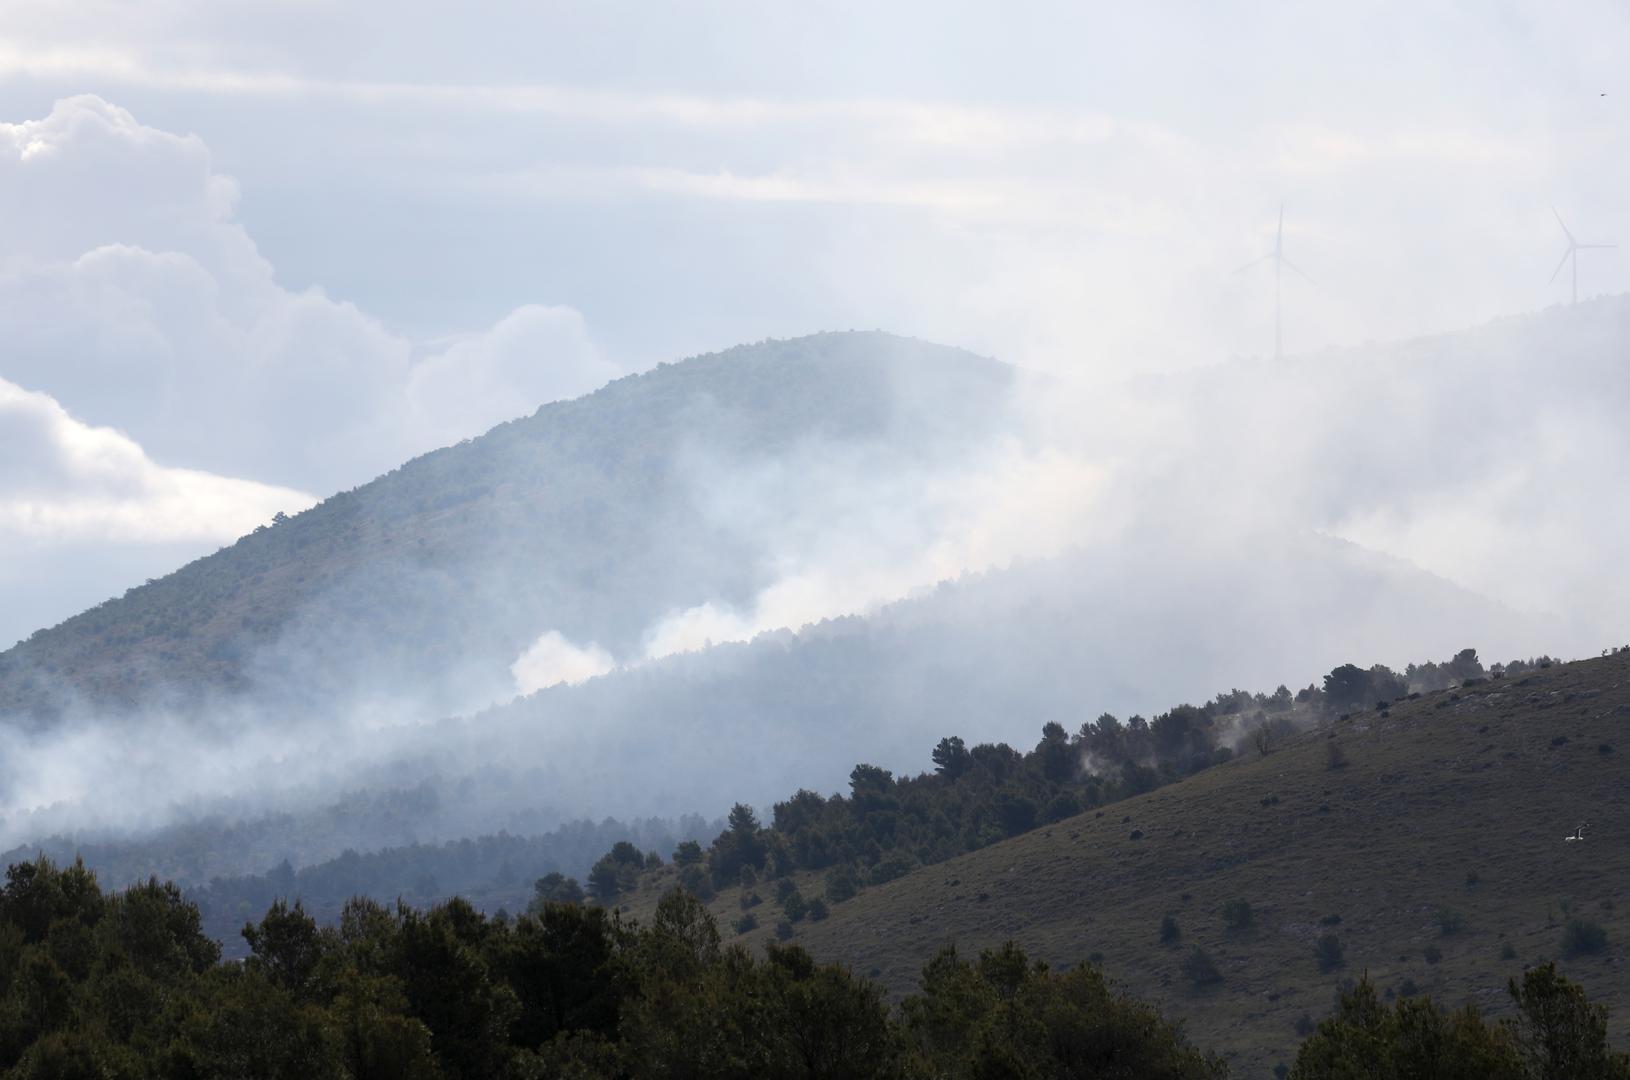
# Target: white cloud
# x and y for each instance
(62, 481)
(534, 354)
(166, 359)
(144, 305)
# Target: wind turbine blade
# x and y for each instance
(1254, 262)
(1298, 269)
(1565, 231)
(1560, 265)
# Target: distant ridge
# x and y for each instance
(430, 580)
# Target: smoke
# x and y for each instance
(762, 576)
(553, 661)
(1045, 554)
(856, 537)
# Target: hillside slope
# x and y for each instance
(1451, 808)
(587, 518)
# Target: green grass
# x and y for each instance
(1428, 798)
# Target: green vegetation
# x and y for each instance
(1200, 970)
(1329, 952)
(1581, 937)
(984, 794)
(126, 985)
(1556, 1035)
(1376, 848)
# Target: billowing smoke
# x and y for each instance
(722, 579)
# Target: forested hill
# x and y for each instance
(590, 517)
(1418, 840)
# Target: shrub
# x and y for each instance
(1199, 969)
(784, 888)
(1335, 756)
(841, 884)
(1170, 932)
(794, 906)
(1329, 953)
(1063, 805)
(888, 869)
(1581, 937)
(1507, 952)
(1330, 920)
(817, 909)
(1472, 879)
(696, 881)
(750, 900)
(1237, 914)
(1407, 988)
(1432, 954)
(783, 931)
(555, 888)
(1305, 1025)
(1450, 921)
(688, 853)
(746, 923)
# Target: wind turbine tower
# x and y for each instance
(1572, 255)
(1279, 265)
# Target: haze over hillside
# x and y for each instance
(1136, 546)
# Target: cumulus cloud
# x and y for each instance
(166, 359)
(145, 305)
(534, 354)
(64, 481)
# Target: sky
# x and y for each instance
(255, 253)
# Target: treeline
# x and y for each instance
(126, 985)
(982, 794)
(367, 841)
(496, 871)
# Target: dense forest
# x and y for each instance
(127, 985)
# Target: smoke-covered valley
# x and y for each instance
(740, 574)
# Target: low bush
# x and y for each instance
(1200, 970)
(1581, 937)
(1328, 952)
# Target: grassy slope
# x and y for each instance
(1437, 790)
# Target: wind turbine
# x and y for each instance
(1572, 255)
(1279, 263)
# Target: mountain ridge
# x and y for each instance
(211, 615)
